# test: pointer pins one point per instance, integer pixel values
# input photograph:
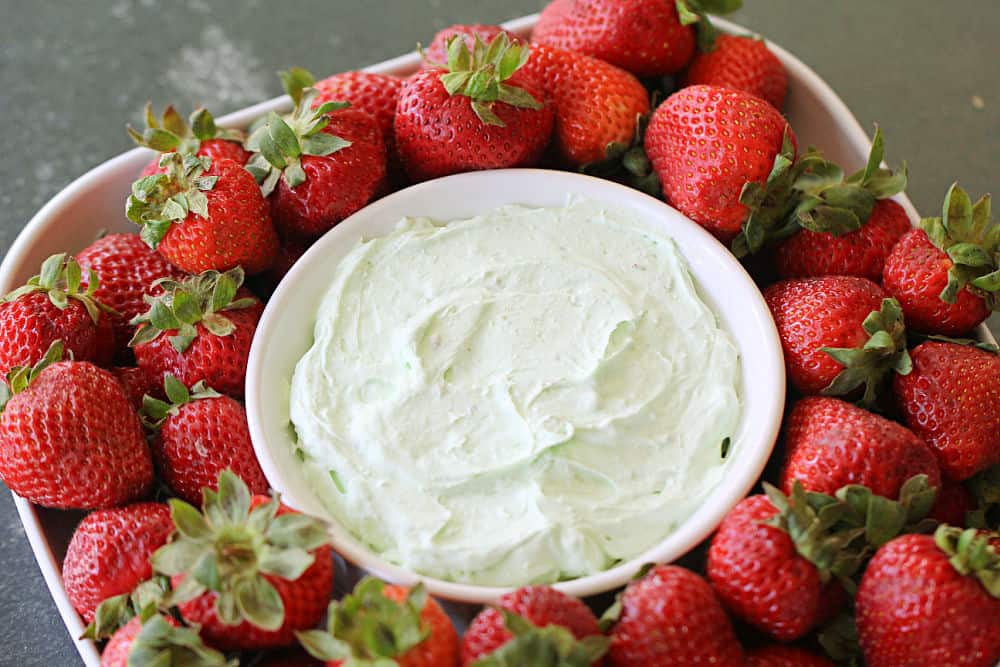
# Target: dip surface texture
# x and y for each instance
(521, 397)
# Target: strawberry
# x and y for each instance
(55, 305)
(741, 63)
(127, 269)
(596, 104)
(931, 601)
(954, 503)
(200, 433)
(437, 51)
(838, 333)
(830, 444)
(69, 438)
(946, 274)
(671, 617)
(199, 330)
(249, 572)
(779, 655)
(952, 400)
(708, 144)
(385, 624)
(525, 611)
(159, 640)
(137, 384)
(198, 136)
(318, 164)
(644, 37)
(109, 553)
(204, 214)
(482, 110)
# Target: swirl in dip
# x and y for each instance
(525, 396)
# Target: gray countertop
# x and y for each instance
(73, 74)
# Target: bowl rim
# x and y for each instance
(759, 427)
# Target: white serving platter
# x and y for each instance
(71, 220)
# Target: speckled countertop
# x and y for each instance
(73, 74)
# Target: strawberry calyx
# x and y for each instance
(985, 346)
(162, 643)
(61, 279)
(770, 204)
(628, 163)
(229, 547)
(548, 646)
(114, 612)
(971, 239)
(985, 488)
(172, 133)
(695, 12)
(366, 628)
(970, 553)
(20, 378)
(154, 411)
(872, 364)
(480, 74)
(280, 142)
(839, 533)
(159, 201)
(201, 299)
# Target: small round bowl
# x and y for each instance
(285, 333)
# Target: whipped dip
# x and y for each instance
(522, 397)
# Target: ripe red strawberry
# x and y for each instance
(437, 51)
(779, 655)
(70, 439)
(954, 502)
(952, 400)
(198, 136)
(271, 570)
(742, 63)
(539, 607)
(707, 143)
(931, 601)
(318, 164)
(204, 214)
(200, 433)
(645, 37)
(830, 444)
(413, 630)
(838, 333)
(672, 617)
(482, 111)
(159, 641)
(55, 305)
(137, 384)
(127, 269)
(199, 330)
(109, 553)
(946, 275)
(596, 104)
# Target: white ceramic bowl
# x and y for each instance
(285, 333)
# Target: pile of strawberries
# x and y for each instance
(877, 543)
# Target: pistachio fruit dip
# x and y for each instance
(522, 397)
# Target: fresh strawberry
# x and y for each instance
(55, 305)
(249, 572)
(741, 63)
(199, 330)
(538, 607)
(126, 268)
(137, 384)
(198, 136)
(780, 655)
(204, 214)
(952, 400)
(109, 553)
(671, 617)
(946, 274)
(846, 227)
(69, 438)
(644, 37)
(385, 624)
(596, 104)
(200, 433)
(482, 110)
(437, 51)
(159, 641)
(954, 503)
(830, 444)
(838, 333)
(707, 144)
(931, 601)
